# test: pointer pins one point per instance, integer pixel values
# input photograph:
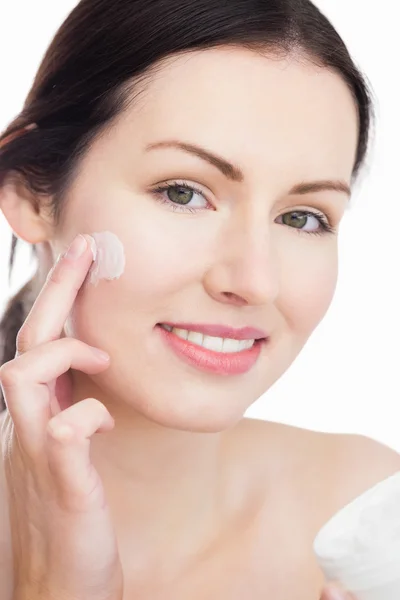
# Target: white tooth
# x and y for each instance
(216, 344)
(182, 333)
(213, 343)
(195, 337)
(246, 344)
(230, 345)
(167, 327)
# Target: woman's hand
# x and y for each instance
(334, 591)
(64, 546)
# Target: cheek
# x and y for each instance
(164, 254)
(307, 289)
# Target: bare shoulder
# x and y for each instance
(5, 542)
(326, 470)
(360, 463)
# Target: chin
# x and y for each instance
(200, 424)
(196, 410)
(192, 414)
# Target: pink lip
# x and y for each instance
(218, 363)
(223, 331)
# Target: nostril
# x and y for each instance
(234, 298)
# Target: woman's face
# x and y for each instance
(233, 250)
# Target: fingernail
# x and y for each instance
(93, 247)
(100, 354)
(77, 248)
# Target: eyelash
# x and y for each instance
(175, 206)
(326, 227)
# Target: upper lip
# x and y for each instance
(222, 331)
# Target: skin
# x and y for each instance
(201, 490)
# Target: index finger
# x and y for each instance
(47, 317)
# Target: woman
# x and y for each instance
(216, 144)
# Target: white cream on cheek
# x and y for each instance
(109, 257)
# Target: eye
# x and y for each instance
(182, 196)
(306, 221)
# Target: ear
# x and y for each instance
(26, 213)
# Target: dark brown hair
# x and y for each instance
(104, 47)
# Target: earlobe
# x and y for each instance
(21, 209)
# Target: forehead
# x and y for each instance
(259, 111)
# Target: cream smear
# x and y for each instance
(108, 255)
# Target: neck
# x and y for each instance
(163, 486)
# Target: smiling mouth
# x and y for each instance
(223, 345)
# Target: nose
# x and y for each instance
(244, 271)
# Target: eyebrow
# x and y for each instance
(234, 173)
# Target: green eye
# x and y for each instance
(306, 221)
(180, 195)
(295, 219)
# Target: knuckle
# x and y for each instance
(75, 346)
(60, 429)
(90, 403)
(72, 345)
(10, 374)
(97, 406)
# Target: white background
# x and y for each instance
(347, 376)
